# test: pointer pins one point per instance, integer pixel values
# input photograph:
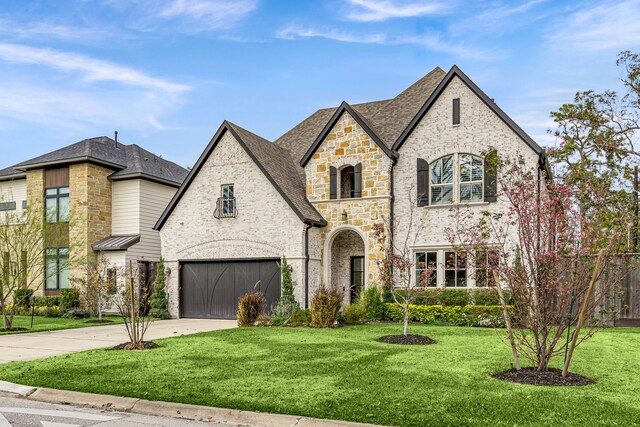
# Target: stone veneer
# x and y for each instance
(35, 201)
(90, 208)
(349, 144)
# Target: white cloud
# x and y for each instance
(210, 14)
(47, 31)
(91, 69)
(382, 10)
(612, 25)
(294, 32)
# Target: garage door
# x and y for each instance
(212, 289)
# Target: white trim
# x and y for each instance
(327, 252)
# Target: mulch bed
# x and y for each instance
(409, 339)
(99, 321)
(551, 377)
(12, 329)
(148, 345)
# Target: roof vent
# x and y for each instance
(115, 137)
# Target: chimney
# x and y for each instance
(115, 134)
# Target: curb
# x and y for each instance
(167, 409)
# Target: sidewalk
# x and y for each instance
(166, 409)
(39, 345)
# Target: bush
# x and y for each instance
(470, 315)
(263, 320)
(371, 300)
(76, 313)
(278, 320)
(159, 299)
(22, 297)
(300, 318)
(325, 307)
(46, 301)
(250, 308)
(287, 304)
(354, 313)
(70, 298)
(427, 297)
(453, 297)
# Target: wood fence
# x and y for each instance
(628, 302)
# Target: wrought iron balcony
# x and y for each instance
(225, 208)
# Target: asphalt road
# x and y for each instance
(23, 413)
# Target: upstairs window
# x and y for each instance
(456, 111)
(57, 204)
(442, 181)
(226, 203)
(471, 178)
(347, 183)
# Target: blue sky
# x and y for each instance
(166, 73)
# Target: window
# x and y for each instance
(228, 201)
(456, 111)
(471, 178)
(24, 204)
(56, 269)
(8, 206)
(455, 269)
(347, 183)
(442, 181)
(57, 204)
(486, 262)
(426, 269)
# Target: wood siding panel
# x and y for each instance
(58, 177)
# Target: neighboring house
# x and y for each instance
(98, 195)
(314, 195)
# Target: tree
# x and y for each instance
(22, 255)
(160, 299)
(97, 284)
(397, 267)
(127, 301)
(561, 258)
(287, 304)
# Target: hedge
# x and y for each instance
(489, 316)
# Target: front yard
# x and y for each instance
(346, 374)
(41, 323)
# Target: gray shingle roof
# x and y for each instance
(127, 160)
(387, 118)
(10, 173)
(116, 243)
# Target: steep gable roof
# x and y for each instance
(128, 161)
(274, 162)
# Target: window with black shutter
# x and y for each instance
(423, 182)
(333, 183)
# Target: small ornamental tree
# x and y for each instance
(287, 304)
(97, 285)
(558, 267)
(128, 302)
(159, 299)
(397, 266)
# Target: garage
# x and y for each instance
(211, 289)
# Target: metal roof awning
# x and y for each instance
(116, 243)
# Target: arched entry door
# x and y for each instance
(347, 263)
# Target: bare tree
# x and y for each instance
(98, 285)
(549, 258)
(128, 302)
(397, 267)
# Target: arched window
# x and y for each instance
(347, 182)
(471, 178)
(442, 181)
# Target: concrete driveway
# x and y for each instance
(39, 345)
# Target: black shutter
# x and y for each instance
(357, 180)
(423, 182)
(490, 177)
(333, 183)
(456, 111)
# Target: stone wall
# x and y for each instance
(35, 204)
(347, 145)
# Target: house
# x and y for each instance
(97, 195)
(315, 194)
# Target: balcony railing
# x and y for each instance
(225, 208)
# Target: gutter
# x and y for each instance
(306, 265)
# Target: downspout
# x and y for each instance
(306, 265)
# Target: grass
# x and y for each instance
(41, 323)
(346, 374)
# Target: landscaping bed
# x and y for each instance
(346, 373)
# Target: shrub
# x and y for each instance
(427, 297)
(470, 315)
(76, 313)
(278, 320)
(354, 313)
(250, 308)
(46, 301)
(300, 318)
(453, 297)
(263, 320)
(22, 297)
(371, 300)
(70, 298)
(159, 299)
(325, 307)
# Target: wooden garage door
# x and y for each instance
(211, 290)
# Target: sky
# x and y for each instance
(166, 73)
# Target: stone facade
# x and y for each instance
(90, 212)
(347, 144)
(35, 202)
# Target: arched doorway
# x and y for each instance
(346, 262)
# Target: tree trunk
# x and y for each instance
(406, 319)
(507, 321)
(99, 306)
(5, 320)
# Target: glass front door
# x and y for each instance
(357, 277)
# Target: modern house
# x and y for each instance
(315, 194)
(98, 195)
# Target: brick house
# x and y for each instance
(98, 195)
(314, 194)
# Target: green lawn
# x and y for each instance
(41, 323)
(346, 374)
